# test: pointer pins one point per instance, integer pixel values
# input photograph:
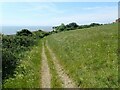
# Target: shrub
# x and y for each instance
(24, 32)
(9, 63)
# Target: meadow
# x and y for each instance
(89, 55)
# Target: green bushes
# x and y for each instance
(13, 48)
(72, 26)
(9, 63)
(24, 32)
(40, 34)
(27, 73)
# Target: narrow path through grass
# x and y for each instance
(66, 81)
(45, 76)
(89, 56)
(55, 79)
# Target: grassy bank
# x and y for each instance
(89, 55)
(27, 74)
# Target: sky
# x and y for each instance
(55, 13)
(59, 0)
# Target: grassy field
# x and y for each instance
(28, 72)
(89, 55)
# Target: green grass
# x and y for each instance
(27, 74)
(55, 80)
(89, 55)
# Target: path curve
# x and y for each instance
(46, 77)
(67, 82)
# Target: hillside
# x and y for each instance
(85, 58)
(89, 55)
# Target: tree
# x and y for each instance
(60, 28)
(24, 32)
(72, 25)
(94, 24)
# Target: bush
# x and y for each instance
(24, 32)
(14, 45)
(94, 24)
(72, 26)
(9, 63)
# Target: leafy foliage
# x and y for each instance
(13, 48)
(72, 26)
(24, 32)
(40, 34)
(9, 63)
(61, 28)
(27, 73)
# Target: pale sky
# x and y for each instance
(55, 13)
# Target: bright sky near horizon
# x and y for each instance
(55, 13)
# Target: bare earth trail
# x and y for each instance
(66, 81)
(46, 77)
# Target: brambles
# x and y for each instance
(13, 47)
(27, 73)
(9, 63)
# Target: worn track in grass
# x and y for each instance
(46, 77)
(66, 81)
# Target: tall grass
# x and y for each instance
(27, 74)
(89, 55)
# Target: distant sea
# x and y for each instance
(9, 30)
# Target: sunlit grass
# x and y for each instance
(89, 55)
